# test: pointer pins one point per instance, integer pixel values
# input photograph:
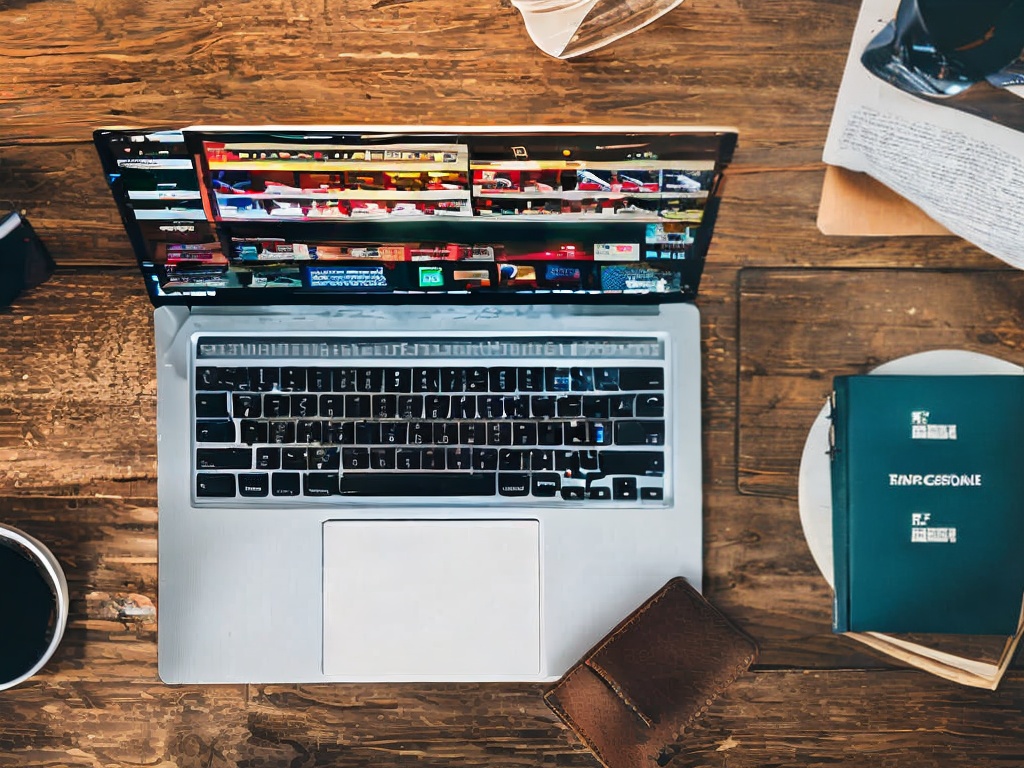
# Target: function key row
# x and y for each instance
(271, 405)
(419, 380)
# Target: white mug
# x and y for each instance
(52, 574)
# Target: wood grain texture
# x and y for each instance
(783, 307)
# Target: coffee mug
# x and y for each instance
(33, 606)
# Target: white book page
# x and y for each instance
(965, 172)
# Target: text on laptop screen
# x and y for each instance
(233, 214)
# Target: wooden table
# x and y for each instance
(784, 309)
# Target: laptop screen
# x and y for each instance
(309, 214)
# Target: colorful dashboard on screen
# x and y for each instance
(252, 215)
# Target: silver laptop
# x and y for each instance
(429, 397)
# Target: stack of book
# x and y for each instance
(927, 519)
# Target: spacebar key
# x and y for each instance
(423, 484)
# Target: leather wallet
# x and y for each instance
(632, 696)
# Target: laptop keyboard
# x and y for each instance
(551, 433)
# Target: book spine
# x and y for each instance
(839, 457)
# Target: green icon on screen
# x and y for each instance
(431, 277)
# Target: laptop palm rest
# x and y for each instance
(431, 599)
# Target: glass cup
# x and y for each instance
(567, 28)
(33, 606)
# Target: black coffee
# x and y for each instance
(27, 607)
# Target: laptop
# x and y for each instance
(428, 397)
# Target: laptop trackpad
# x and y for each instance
(432, 600)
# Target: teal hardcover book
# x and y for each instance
(928, 503)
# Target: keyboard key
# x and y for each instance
(606, 379)
(293, 379)
(211, 405)
(549, 433)
(398, 380)
(410, 407)
(531, 379)
(491, 406)
(223, 458)
(332, 406)
(394, 433)
(304, 406)
(652, 494)
(510, 460)
(650, 405)
(502, 379)
(624, 488)
(284, 484)
(339, 433)
(640, 432)
(421, 433)
(254, 431)
(460, 458)
(464, 407)
(385, 406)
(546, 484)
(320, 484)
(599, 433)
(268, 458)
(622, 405)
(382, 458)
(476, 380)
(215, 432)
(294, 458)
(247, 406)
(572, 492)
(277, 406)
(206, 378)
(357, 406)
(524, 433)
(453, 379)
(309, 431)
(426, 380)
(412, 484)
(541, 459)
(437, 407)
(472, 433)
(517, 407)
(320, 380)
(215, 484)
(355, 458)
(254, 484)
(513, 484)
(581, 379)
(499, 433)
(544, 406)
(407, 458)
(597, 407)
(485, 459)
(557, 379)
(344, 380)
(324, 458)
(641, 378)
(632, 463)
(369, 379)
(367, 432)
(570, 406)
(432, 458)
(446, 433)
(598, 493)
(264, 379)
(281, 432)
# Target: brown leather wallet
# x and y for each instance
(635, 692)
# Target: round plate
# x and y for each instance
(815, 488)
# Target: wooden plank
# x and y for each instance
(78, 387)
(849, 322)
(848, 718)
